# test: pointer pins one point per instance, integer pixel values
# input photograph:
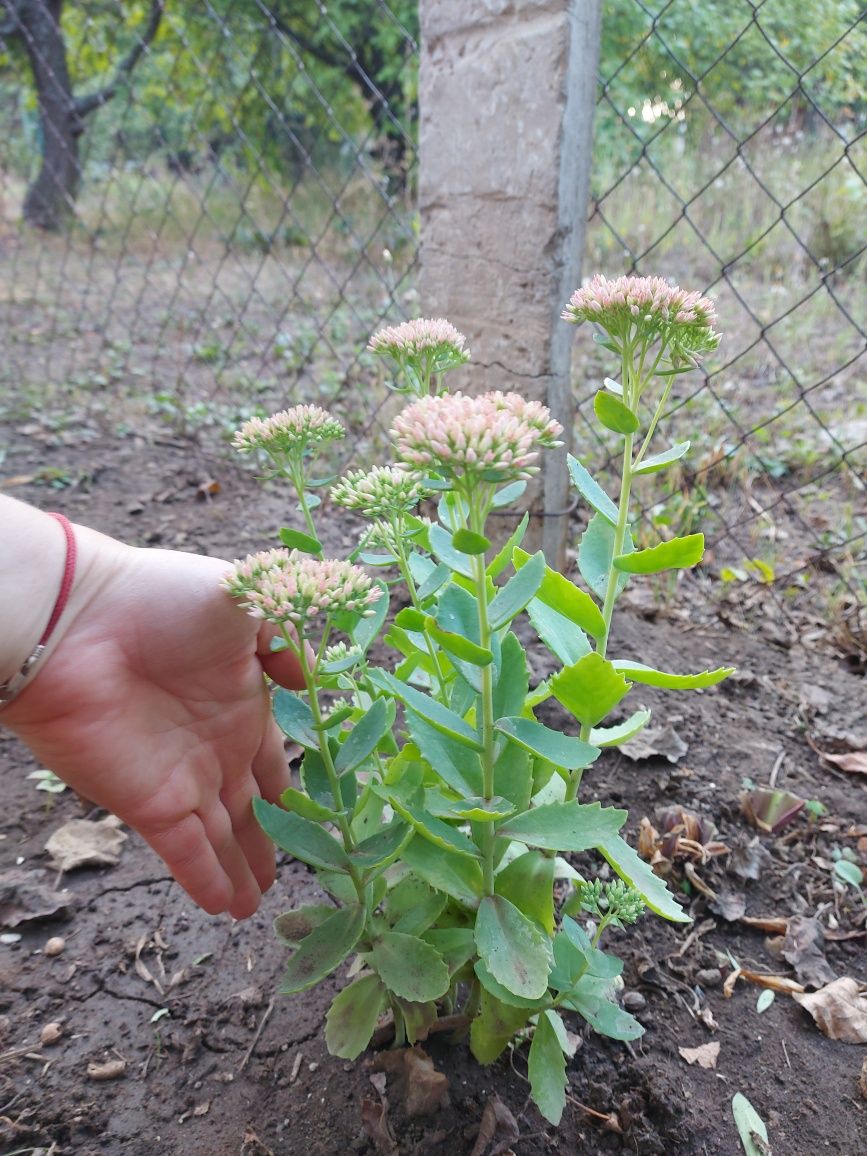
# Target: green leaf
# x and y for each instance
(589, 689)
(409, 967)
(598, 962)
(562, 637)
(299, 837)
(638, 672)
(316, 782)
(365, 630)
(382, 848)
(425, 912)
(434, 581)
(494, 1027)
(293, 926)
(456, 945)
(447, 757)
(503, 994)
(295, 719)
(513, 949)
(751, 1127)
(849, 872)
(469, 542)
(459, 646)
(351, 1019)
(511, 687)
(565, 597)
(513, 775)
(323, 949)
(456, 875)
(434, 829)
(508, 494)
(308, 808)
(570, 826)
(296, 540)
(517, 592)
(418, 1018)
(590, 998)
(562, 750)
(478, 810)
(614, 413)
(434, 712)
(591, 491)
(442, 546)
(622, 732)
(596, 555)
(639, 875)
(678, 554)
(660, 461)
(546, 1068)
(766, 998)
(528, 883)
(503, 556)
(365, 736)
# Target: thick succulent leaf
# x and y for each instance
(300, 837)
(591, 491)
(562, 750)
(448, 758)
(638, 874)
(591, 998)
(546, 1068)
(563, 638)
(494, 1027)
(513, 948)
(294, 718)
(351, 1019)
(381, 849)
(528, 883)
(678, 554)
(503, 994)
(302, 804)
(596, 556)
(434, 712)
(589, 689)
(456, 945)
(614, 413)
(514, 596)
(456, 875)
(662, 460)
(557, 592)
(435, 830)
(323, 949)
(365, 736)
(409, 966)
(504, 555)
(293, 926)
(638, 672)
(569, 826)
(622, 732)
(513, 683)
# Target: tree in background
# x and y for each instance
(35, 27)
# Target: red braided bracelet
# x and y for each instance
(9, 689)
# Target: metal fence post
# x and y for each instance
(506, 115)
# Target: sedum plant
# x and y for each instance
(435, 805)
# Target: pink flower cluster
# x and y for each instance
(381, 491)
(415, 338)
(497, 434)
(649, 306)
(287, 586)
(289, 431)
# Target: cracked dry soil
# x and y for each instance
(179, 1004)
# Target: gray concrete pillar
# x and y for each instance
(507, 92)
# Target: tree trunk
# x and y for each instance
(50, 200)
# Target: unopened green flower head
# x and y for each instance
(381, 535)
(616, 901)
(646, 310)
(421, 348)
(290, 433)
(287, 586)
(496, 437)
(380, 492)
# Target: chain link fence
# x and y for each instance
(730, 155)
(231, 212)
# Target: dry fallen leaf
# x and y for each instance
(774, 982)
(83, 843)
(110, 1070)
(804, 949)
(423, 1089)
(661, 742)
(855, 762)
(839, 1009)
(24, 898)
(498, 1124)
(705, 1055)
(773, 924)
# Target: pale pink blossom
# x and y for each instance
(287, 586)
(494, 437)
(289, 432)
(650, 309)
(381, 491)
(419, 336)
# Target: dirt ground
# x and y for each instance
(212, 1066)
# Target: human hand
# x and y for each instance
(153, 705)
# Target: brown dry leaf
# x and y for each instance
(855, 762)
(705, 1055)
(839, 1009)
(422, 1088)
(25, 899)
(110, 1070)
(252, 1145)
(774, 982)
(659, 742)
(207, 489)
(374, 1121)
(804, 949)
(498, 1124)
(82, 843)
(773, 924)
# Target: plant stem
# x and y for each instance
(406, 574)
(488, 739)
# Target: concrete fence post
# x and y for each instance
(507, 93)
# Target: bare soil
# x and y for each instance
(229, 1070)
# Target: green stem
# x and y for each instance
(330, 771)
(406, 574)
(489, 753)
